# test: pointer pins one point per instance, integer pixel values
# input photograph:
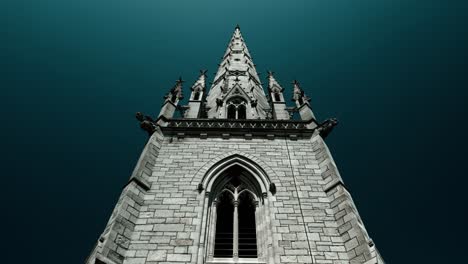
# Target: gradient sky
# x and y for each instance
(73, 73)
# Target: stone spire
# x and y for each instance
(277, 99)
(197, 96)
(237, 83)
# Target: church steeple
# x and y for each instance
(208, 190)
(236, 91)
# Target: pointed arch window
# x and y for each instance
(236, 224)
(236, 108)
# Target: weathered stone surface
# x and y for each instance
(157, 255)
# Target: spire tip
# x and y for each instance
(179, 81)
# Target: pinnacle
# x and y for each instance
(273, 83)
(203, 72)
(180, 81)
(200, 82)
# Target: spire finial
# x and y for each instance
(237, 27)
(270, 73)
(203, 72)
(180, 81)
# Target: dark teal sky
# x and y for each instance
(73, 73)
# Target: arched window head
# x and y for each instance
(236, 108)
(235, 196)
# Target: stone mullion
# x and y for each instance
(235, 247)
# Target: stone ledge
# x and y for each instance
(140, 182)
(333, 184)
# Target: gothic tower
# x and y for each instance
(235, 180)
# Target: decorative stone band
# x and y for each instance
(232, 127)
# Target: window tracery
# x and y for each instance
(236, 221)
(236, 108)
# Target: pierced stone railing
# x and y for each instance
(232, 124)
(233, 127)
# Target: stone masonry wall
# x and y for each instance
(312, 219)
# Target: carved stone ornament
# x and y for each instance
(327, 126)
(146, 123)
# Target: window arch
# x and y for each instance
(234, 203)
(237, 219)
(236, 108)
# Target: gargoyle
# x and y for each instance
(146, 123)
(327, 126)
